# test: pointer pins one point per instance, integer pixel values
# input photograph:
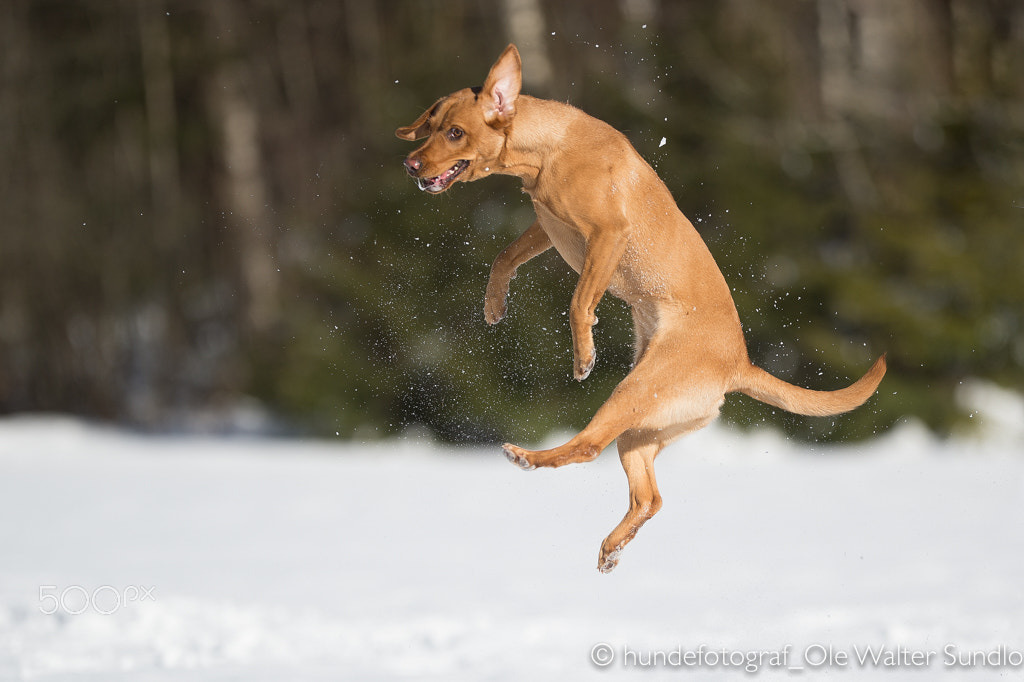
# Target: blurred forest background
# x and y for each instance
(204, 214)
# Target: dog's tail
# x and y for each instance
(760, 385)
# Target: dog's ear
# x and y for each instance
(416, 130)
(419, 128)
(500, 90)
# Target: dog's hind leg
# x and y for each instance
(668, 391)
(624, 409)
(652, 396)
(656, 395)
(637, 450)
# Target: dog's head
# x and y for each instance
(465, 131)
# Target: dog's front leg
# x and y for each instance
(530, 243)
(604, 251)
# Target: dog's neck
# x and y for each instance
(538, 128)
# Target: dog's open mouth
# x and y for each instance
(439, 183)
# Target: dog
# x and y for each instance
(612, 219)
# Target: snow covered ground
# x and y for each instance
(126, 557)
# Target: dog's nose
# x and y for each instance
(412, 165)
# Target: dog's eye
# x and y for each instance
(455, 133)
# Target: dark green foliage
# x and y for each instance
(229, 216)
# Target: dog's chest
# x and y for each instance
(567, 240)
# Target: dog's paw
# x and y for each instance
(495, 304)
(607, 561)
(517, 456)
(494, 310)
(581, 370)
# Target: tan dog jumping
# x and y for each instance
(606, 212)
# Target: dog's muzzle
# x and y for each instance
(438, 183)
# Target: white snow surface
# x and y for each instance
(133, 557)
